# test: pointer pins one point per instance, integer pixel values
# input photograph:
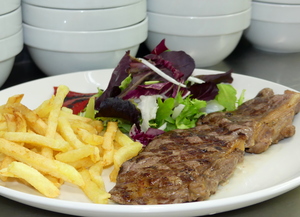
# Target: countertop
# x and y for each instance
(245, 59)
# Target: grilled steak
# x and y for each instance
(265, 120)
(189, 165)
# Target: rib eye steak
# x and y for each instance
(189, 165)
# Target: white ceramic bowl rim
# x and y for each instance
(9, 5)
(10, 23)
(80, 4)
(199, 26)
(84, 20)
(278, 13)
(11, 46)
(198, 7)
(280, 1)
(88, 41)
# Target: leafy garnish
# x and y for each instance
(158, 93)
(115, 107)
(227, 96)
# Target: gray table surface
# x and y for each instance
(279, 68)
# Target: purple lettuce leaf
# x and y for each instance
(144, 137)
(217, 78)
(160, 48)
(118, 75)
(149, 90)
(209, 90)
(205, 91)
(118, 108)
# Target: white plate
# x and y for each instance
(258, 178)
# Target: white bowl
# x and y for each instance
(10, 23)
(208, 40)
(9, 5)
(56, 62)
(80, 4)
(9, 48)
(280, 1)
(198, 7)
(57, 52)
(198, 26)
(84, 20)
(275, 27)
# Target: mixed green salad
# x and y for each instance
(157, 93)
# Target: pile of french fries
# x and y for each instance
(47, 146)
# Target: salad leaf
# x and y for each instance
(164, 111)
(190, 113)
(178, 113)
(115, 107)
(118, 75)
(205, 91)
(144, 137)
(217, 78)
(227, 96)
(160, 48)
(89, 109)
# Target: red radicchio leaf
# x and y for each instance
(76, 101)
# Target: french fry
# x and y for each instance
(78, 124)
(57, 182)
(108, 145)
(41, 163)
(70, 116)
(44, 109)
(82, 163)
(21, 125)
(3, 126)
(10, 121)
(14, 99)
(36, 139)
(90, 138)
(123, 154)
(77, 154)
(95, 172)
(32, 119)
(91, 189)
(122, 139)
(57, 103)
(34, 178)
(98, 125)
(4, 164)
(66, 131)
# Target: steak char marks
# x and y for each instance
(189, 165)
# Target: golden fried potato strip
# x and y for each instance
(33, 177)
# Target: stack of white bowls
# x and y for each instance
(208, 30)
(65, 36)
(275, 25)
(11, 39)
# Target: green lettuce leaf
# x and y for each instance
(227, 96)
